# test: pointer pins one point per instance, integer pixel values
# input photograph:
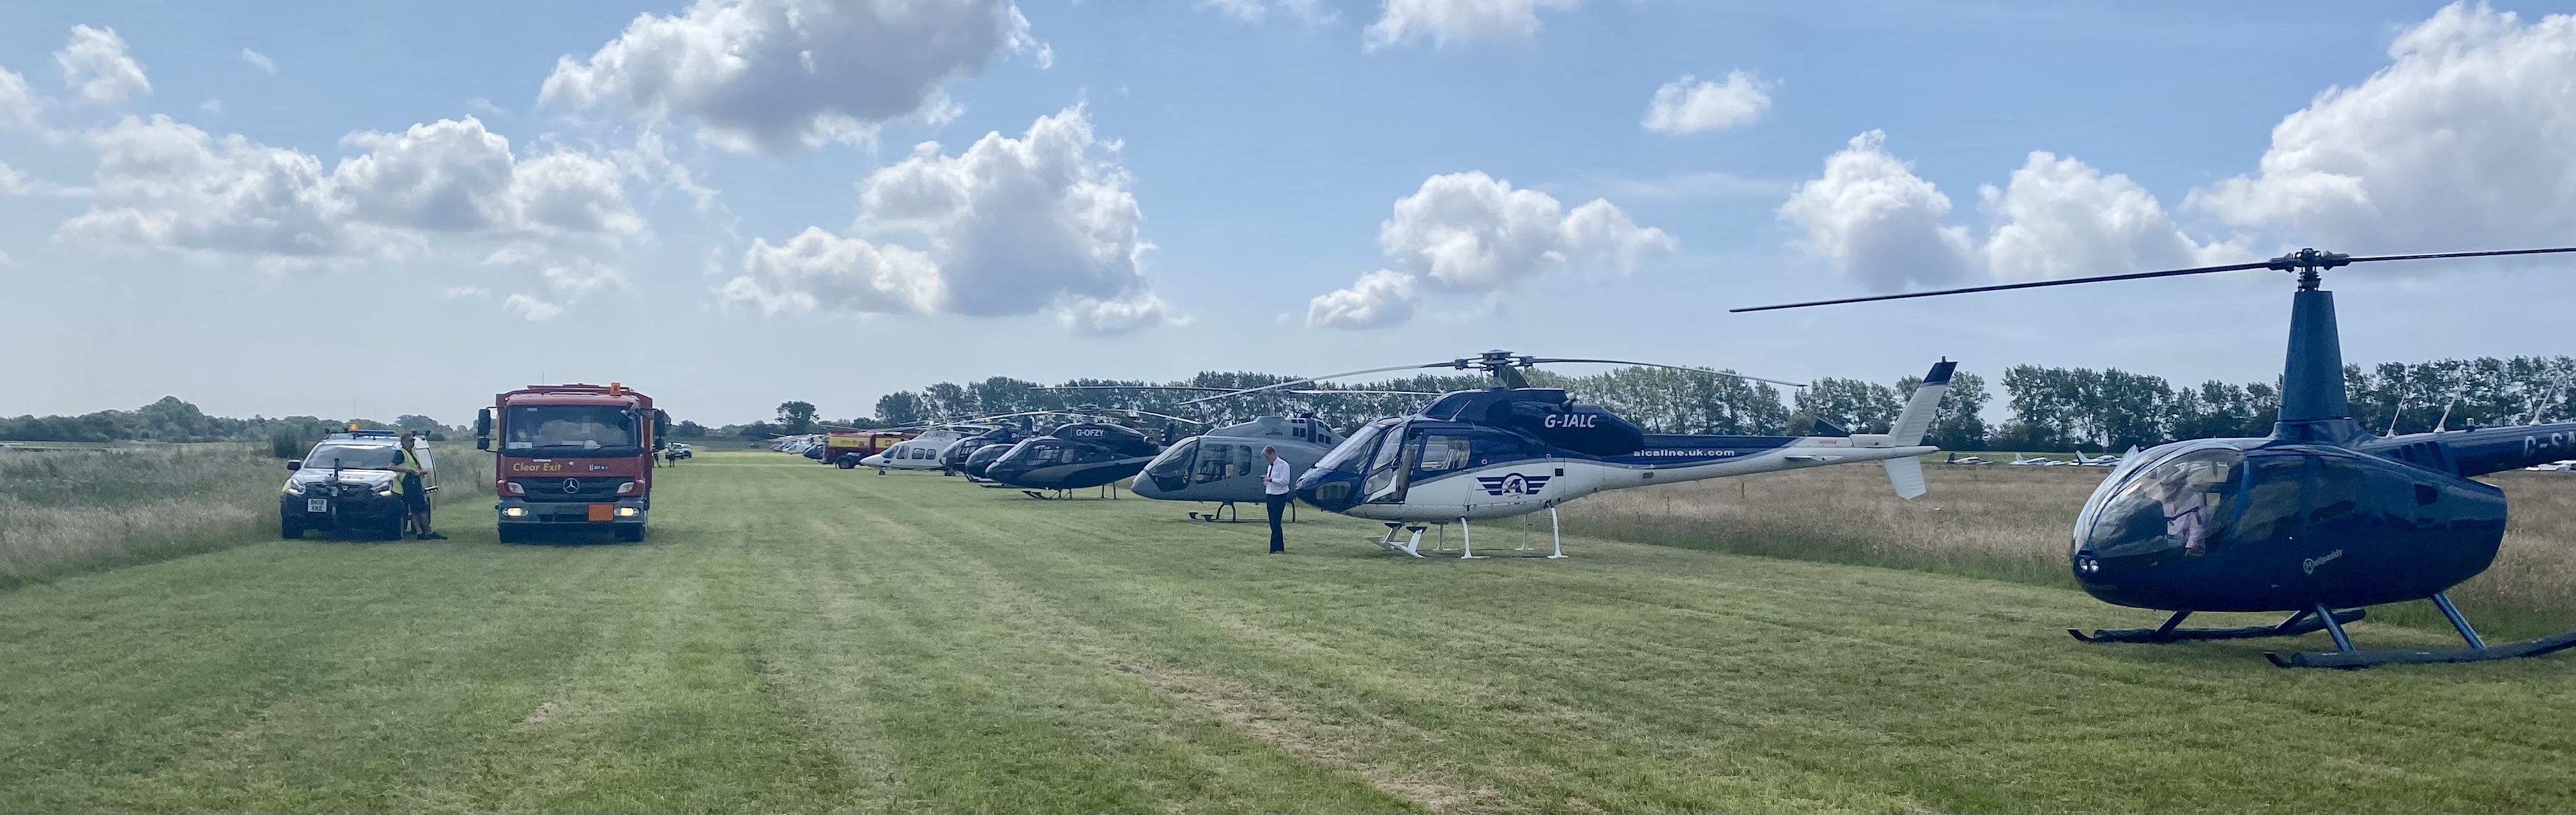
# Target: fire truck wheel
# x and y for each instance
(512, 534)
(631, 534)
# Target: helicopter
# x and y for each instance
(1515, 450)
(1224, 465)
(2321, 519)
(917, 453)
(1090, 451)
(953, 459)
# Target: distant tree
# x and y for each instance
(689, 430)
(760, 430)
(796, 418)
(899, 408)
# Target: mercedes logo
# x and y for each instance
(572, 485)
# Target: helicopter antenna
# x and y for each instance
(2306, 263)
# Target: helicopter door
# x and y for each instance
(1388, 470)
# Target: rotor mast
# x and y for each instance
(2314, 403)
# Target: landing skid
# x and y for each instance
(2346, 656)
(1227, 513)
(2301, 623)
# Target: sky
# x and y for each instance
(372, 209)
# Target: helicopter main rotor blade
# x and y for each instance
(2034, 284)
(1313, 379)
(1132, 388)
(1327, 391)
(2288, 262)
(1677, 368)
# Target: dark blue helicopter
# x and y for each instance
(2319, 519)
(1088, 452)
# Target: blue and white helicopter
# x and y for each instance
(1513, 450)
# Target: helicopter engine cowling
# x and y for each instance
(1547, 413)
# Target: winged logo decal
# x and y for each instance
(1512, 484)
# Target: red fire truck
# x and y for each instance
(572, 456)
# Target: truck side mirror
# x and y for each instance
(661, 427)
(483, 429)
(294, 464)
(482, 442)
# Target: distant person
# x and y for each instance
(2183, 508)
(1275, 484)
(415, 494)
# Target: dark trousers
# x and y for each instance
(1278, 504)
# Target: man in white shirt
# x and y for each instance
(1275, 484)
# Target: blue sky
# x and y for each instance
(727, 203)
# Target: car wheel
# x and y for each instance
(393, 529)
(288, 528)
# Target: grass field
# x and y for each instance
(796, 637)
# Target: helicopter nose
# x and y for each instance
(1329, 490)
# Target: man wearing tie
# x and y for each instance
(1275, 484)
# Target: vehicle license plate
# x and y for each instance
(317, 505)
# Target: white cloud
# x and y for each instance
(780, 76)
(581, 279)
(1473, 233)
(1006, 227)
(2061, 218)
(1876, 221)
(259, 60)
(530, 308)
(95, 64)
(18, 103)
(1693, 105)
(1459, 22)
(214, 106)
(170, 186)
(2057, 217)
(463, 292)
(1379, 299)
(2467, 139)
(1310, 12)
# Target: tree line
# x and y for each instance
(2046, 409)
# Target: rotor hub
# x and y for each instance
(2308, 264)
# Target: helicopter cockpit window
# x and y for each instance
(1384, 464)
(1173, 469)
(1215, 463)
(2179, 503)
(1438, 454)
(2271, 498)
(1350, 456)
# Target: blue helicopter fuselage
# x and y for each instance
(2284, 523)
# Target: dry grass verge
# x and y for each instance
(2012, 523)
(65, 511)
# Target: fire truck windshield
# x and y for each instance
(569, 429)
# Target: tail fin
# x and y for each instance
(1906, 474)
(1917, 418)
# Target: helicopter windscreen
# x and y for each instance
(1352, 454)
(1171, 470)
(2184, 501)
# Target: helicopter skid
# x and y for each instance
(1411, 546)
(2304, 622)
(2348, 657)
(2365, 659)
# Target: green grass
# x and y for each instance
(799, 638)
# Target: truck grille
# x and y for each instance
(581, 489)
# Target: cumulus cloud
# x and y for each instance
(1473, 233)
(1459, 22)
(95, 64)
(1878, 222)
(18, 103)
(259, 60)
(781, 76)
(2060, 217)
(2467, 139)
(530, 308)
(170, 186)
(1311, 12)
(1693, 105)
(2057, 217)
(1006, 227)
(1381, 298)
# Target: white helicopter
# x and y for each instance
(1514, 450)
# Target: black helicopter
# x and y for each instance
(2319, 519)
(955, 457)
(1090, 451)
